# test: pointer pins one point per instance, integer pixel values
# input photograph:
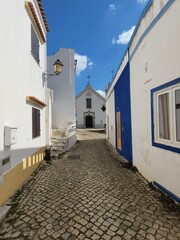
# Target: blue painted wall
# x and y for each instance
(123, 105)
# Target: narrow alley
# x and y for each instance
(89, 193)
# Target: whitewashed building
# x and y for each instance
(90, 109)
(22, 97)
(149, 74)
(63, 86)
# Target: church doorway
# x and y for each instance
(89, 121)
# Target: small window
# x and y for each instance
(34, 45)
(5, 161)
(166, 116)
(88, 103)
(35, 123)
(5, 165)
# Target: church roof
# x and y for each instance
(89, 88)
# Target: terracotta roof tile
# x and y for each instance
(43, 14)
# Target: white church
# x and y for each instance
(90, 109)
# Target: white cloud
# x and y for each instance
(112, 7)
(83, 62)
(124, 37)
(101, 92)
(90, 64)
(142, 1)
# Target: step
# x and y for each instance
(61, 140)
(58, 145)
(61, 149)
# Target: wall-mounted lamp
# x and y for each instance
(57, 66)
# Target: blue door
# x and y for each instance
(123, 115)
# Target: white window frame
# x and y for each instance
(172, 117)
(174, 112)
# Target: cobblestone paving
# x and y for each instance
(94, 197)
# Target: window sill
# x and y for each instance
(36, 137)
(171, 148)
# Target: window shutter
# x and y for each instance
(34, 45)
(36, 130)
(33, 122)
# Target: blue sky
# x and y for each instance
(98, 30)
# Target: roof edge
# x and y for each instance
(43, 14)
(93, 90)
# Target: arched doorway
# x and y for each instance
(89, 119)
(89, 122)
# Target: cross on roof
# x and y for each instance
(88, 77)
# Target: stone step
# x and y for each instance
(59, 140)
(58, 132)
(58, 145)
(60, 149)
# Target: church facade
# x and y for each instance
(90, 109)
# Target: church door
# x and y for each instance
(89, 121)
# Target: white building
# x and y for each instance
(110, 119)
(156, 142)
(149, 73)
(22, 97)
(90, 109)
(63, 86)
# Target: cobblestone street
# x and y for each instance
(89, 193)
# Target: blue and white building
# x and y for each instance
(143, 100)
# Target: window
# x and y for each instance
(163, 116)
(166, 116)
(88, 103)
(35, 122)
(34, 45)
(5, 165)
(5, 161)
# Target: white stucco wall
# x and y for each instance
(21, 76)
(48, 120)
(155, 62)
(153, 10)
(63, 86)
(110, 120)
(97, 102)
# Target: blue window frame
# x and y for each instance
(165, 108)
